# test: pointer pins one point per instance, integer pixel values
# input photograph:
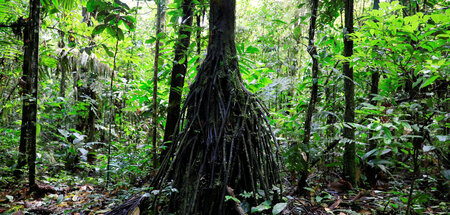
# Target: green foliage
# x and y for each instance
(113, 16)
(261, 207)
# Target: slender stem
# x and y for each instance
(411, 189)
(159, 20)
(111, 106)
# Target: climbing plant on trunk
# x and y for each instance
(225, 141)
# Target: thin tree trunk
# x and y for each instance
(61, 67)
(349, 91)
(30, 76)
(199, 34)
(111, 109)
(376, 4)
(159, 26)
(315, 86)
(178, 72)
(25, 84)
(374, 85)
(199, 30)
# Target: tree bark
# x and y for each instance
(315, 86)
(62, 65)
(178, 72)
(25, 83)
(30, 95)
(376, 4)
(349, 91)
(225, 139)
(375, 78)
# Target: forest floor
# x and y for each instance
(328, 196)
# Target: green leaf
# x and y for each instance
(446, 174)
(227, 198)
(279, 21)
(278, 208)
(120, 34)
(38, 129)
(429, 81)
(92, 5)
(368, 154)
(252, 50)
(387, 132)
(112, 31)
(108, 52)
(60, 198)
(53, 11)
(419, 80)
(428, 148)
(109, 18)
(151, 40)
(129, 22)
(65, 133)
(121, 4)
(98, 29)
(297, 31)
(443, 138)
(262, 207)
(161, 35)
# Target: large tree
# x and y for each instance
(225, 140)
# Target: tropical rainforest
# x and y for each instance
(224, 107)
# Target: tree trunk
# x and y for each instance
(198, 38)
(349, 91)
(161, 5)
(376, 4)
(315, 86)
(25, 83)
(225, 139)
(375, 78)
(178, 72)
(30, 77)
(62, 66)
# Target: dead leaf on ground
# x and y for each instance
(335, 204)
